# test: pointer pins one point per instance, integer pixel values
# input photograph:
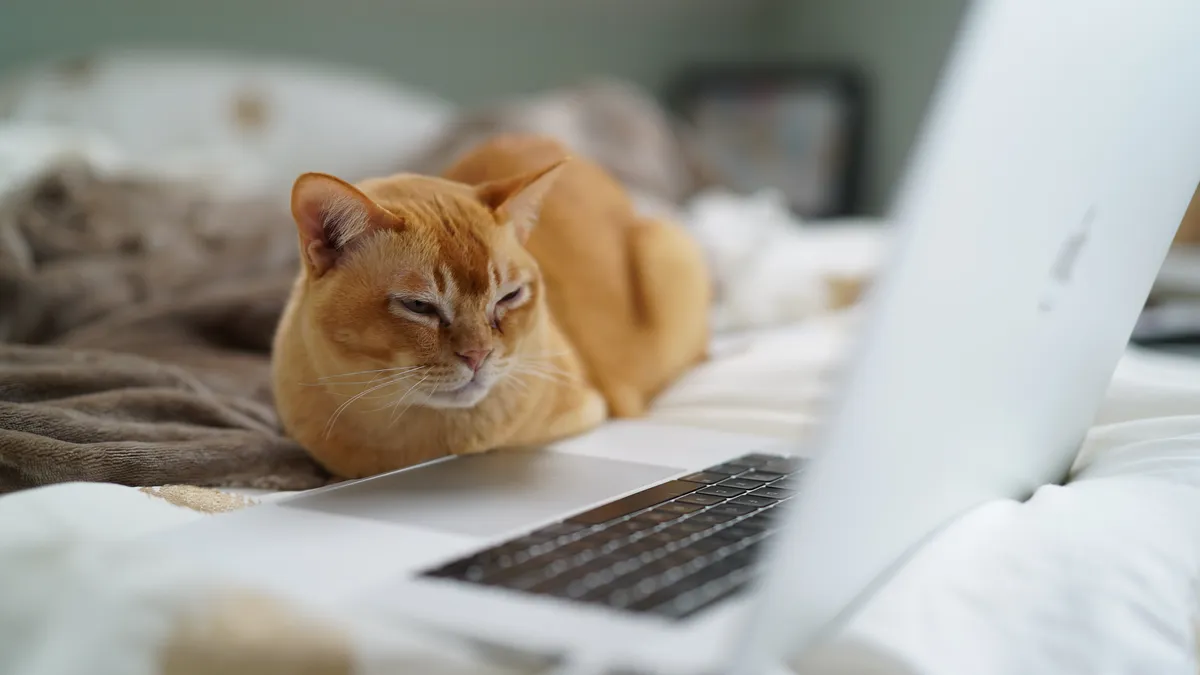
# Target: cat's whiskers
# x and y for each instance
(401, 400)
(393, 379)
(389, 395)
(376, 370)
(346, 404)
(521, 384)
(381, 372)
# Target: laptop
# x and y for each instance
(1057, 161)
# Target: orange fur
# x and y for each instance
(524, 266)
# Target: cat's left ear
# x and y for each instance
(519, 199)
(330, 215)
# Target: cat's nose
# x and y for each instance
(474, 358)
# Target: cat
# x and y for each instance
(514, 301)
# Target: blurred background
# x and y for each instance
(476, 52)
(756, 123)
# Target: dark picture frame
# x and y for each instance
(796, 128)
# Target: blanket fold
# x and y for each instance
(71, 415)
(137, 320)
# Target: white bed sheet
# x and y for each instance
(1099, 576)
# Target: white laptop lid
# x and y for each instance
(1057, 162)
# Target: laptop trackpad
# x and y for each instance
(488, 494)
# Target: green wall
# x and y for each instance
(467, 50)
(899, 44)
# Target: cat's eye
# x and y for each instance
(512, 296)
(419, 307)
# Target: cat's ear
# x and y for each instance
(519, 198)
(330, 214)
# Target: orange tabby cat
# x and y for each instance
(504, 305)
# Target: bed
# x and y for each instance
(1097, 576)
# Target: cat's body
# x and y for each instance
(432, 317)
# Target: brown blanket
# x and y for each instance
(138, 318)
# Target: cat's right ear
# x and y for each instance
(330, 214)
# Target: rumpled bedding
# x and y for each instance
(135, 332)
(1097, 576)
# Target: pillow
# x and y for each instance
(244, 124)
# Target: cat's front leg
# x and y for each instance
(578, 410)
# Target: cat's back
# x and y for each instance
(584, 201)
(580, 239)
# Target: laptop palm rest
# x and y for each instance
(487, 494)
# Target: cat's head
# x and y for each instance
(422, 287)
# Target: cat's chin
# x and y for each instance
(466, 396)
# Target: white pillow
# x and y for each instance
(246, 124)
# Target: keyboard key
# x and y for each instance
(699, 599)
(730, 510)
(680, 508)
(710, 518)
(498, 576)
(753, 525)
(705, 477)
(753, 500)
(577, 547)
(761, 476)
(686, 528)
(656, 516)
(653, 593)
(555, 585)
(701, 499)
(709, 545)
(597, 579)
(603, 536)
(720, 491)
(737, 561)
(753, 550)
(659, 566)
(689, 554)
(634, 502)
(783, 465)
(787, 483)
(772, 492)
(738, 532)
(726, 536)
(758, 522)
(639, 547)
(769, 513)
(660, 538)
(728, 469)
(740, 483)
(630, 526)
(560, 529)
(753, 459)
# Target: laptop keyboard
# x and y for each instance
(670, 550)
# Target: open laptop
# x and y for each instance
(1060, 155)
